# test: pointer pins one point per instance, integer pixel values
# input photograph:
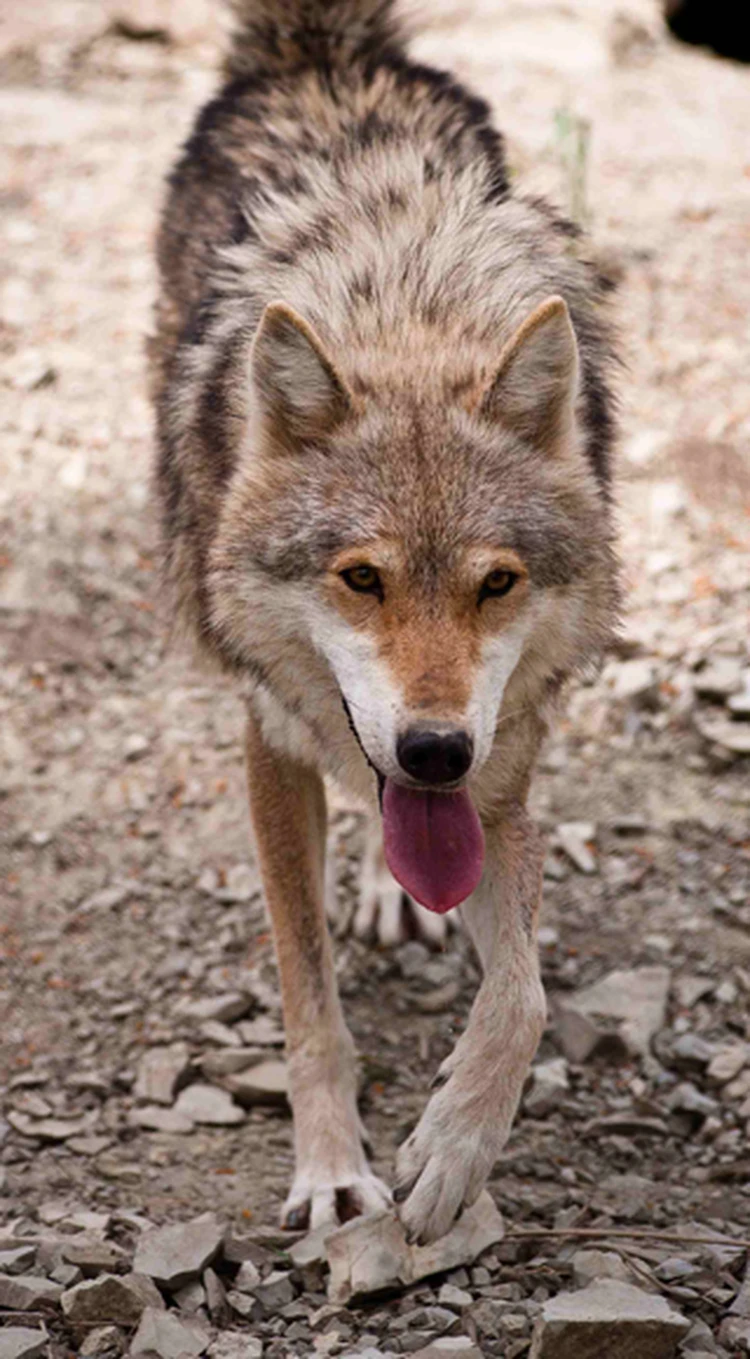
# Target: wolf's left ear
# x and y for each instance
(300, 393)
(535, 387)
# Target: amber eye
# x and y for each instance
(496, 584)
(364, 579)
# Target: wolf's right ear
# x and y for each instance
(300, 394)
(535, 386)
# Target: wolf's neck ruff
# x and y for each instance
(434, 844)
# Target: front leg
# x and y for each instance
(443, 1165)
(332, 1179)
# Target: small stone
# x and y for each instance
(574, 838)
(23, 1342)
(608, 1318)
(724, 732)
(155, 1118)
(689, 990)
(261, 1032)
(17, 1260)
(27, 1293)
(687, 1098)
(275, 1291)
(728, 1062)
(690, 1049)
(548, 1088)
(589, 1265)
(449, 1347)
(720, 678)
(235, 1345)
(229, 1060)
(248, 1276)
(208, 1104)
(170, 1336)
(370, 1254)
(176, 1254)
(216, 1298)
(224, 1008)
(241, 884)
(92, 1256)
(457, 1298)
(266, 1083)
(191, 1297)
(735, 1332)
(50, 1129)
(637, 681)
(112, 1298)
(159, 1072)
(106, 1341)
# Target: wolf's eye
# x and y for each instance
(364, 579)
(497, 583)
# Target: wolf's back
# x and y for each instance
(279, 35)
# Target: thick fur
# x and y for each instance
(368, 347)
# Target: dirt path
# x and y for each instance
(127, 889)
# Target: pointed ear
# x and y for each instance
(300, 393)
(535, 387)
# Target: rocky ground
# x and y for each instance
(142, 1061)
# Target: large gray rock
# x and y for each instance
(634, 1002)
(176, 1254)
(611, 1319)
(23, 1342)
(170, 1336)
(372, 1253)
(116, 1298)
(28, 1293)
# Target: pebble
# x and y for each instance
(235, 1345)
(458, 1298)
(248, 1275)
(635, 1000)
(449, 1347)
(17, 1260)
(169, 1336)
(103, 1340)
(116, 1298)
(23, 1342)
(93, 1256)
(728, 1062)
(176, 1254)
(155, 1118)
(224, 1008)
(574, 838)
(208, 1104)
(275, 1291)
(589, 1265)
(608, 1318)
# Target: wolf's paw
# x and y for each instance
(314, 1202)
(443, 1166)
(385, 912)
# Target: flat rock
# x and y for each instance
(51, 1129)
(159, 1073)
(23, 1342)
(589, 1265)
(116, 1298)
(106, 1341)
(228, 1061)
(93, 1256)
(723, 731)
(635, 1000)
(170, 1336)
(370, 1254)
(208, 1104)
(176, 1254)
(266, 1083)
(608, 1318)
(18, 1259)
(27, 1293)
(225, 1008)
(728, 1062)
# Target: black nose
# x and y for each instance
(434, 757)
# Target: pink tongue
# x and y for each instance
(434, 844)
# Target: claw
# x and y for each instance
(297, 1219)
(440, 1079)
(402, 1191)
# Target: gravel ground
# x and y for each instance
(135, 963)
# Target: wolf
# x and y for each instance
(383, 385)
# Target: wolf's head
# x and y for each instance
(431, 563)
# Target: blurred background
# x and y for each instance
(131, 923)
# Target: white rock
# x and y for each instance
(370, 1254)
(208, 1104)
(225, 1008)
(728, 1062)
(170, 1336)
(636, 681)
(720, 678)
(176, 1254)
(599, 1264)
(609, 1319)
(159, 1070)
(247, 1277)
(266, 1083)
(156, 1118)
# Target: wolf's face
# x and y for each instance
(440, 563)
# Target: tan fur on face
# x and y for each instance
(431, 642)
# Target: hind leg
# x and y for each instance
(333, 1180)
